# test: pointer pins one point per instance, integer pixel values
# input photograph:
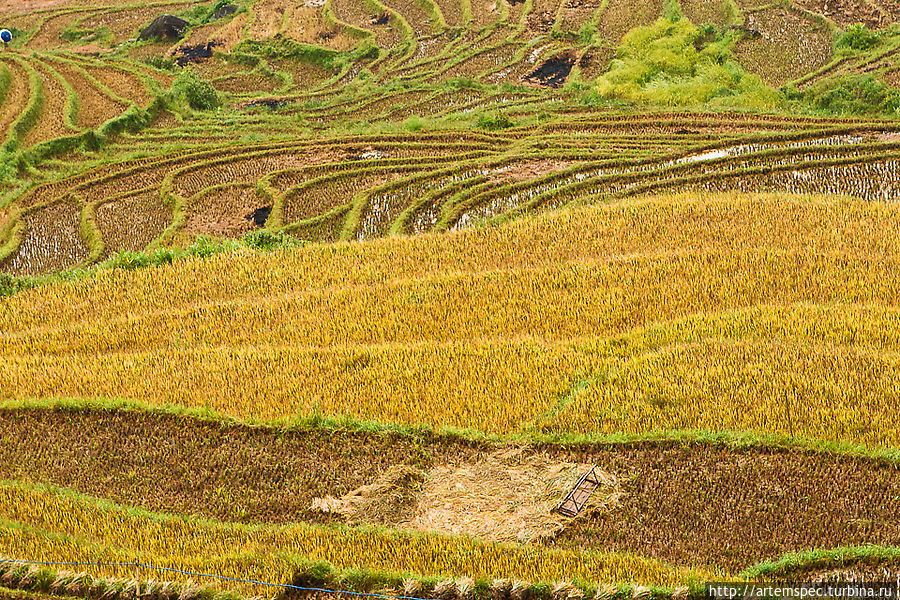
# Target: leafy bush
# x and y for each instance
(673, 62)
(197, 93)
(161, 62)
(10, 284)
(268, 241)
(854, 94)
(414, 123)
(857, 37)
(495, 122)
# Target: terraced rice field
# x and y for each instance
(347, 295)
(595, 315)
(416, 183)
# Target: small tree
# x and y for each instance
(197, 93)
(857, 37)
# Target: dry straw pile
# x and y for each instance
(506, 496)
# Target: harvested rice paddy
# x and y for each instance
(349, 295)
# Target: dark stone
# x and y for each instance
(164, 27)
(750, 33)
(266, 103)
(225, 11)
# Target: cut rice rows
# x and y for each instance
(442, 181)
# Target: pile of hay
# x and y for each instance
(390, 499)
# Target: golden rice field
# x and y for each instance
(37, 523)
(738, 313)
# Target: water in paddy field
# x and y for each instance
(860, 174)
(743, 149)
(873, 181)
(51, 242)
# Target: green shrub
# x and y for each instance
(161, 62)
(672, 62)
(859, 94)
(414, 123)
(857, 37)
(268, 241)
(589, 34)
(495, 122)
(197, 93)
(10, 284)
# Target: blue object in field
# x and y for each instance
(5, 36)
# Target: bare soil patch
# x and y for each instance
(19, 6)
(706, 11)
(621, 16)
(529, 170)
(847, 12)
(553, 72)
(789, 45)
(541, 22)
(223, 212)
(892, 78)
(89, 50)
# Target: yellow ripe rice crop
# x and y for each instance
(38, 524)
(726, 313)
